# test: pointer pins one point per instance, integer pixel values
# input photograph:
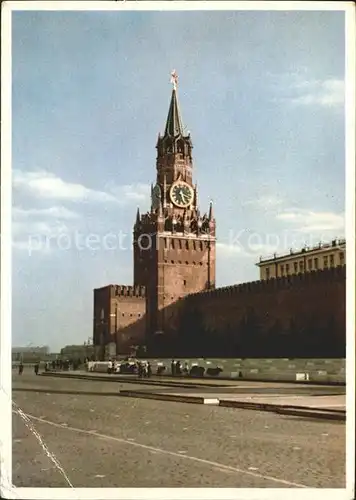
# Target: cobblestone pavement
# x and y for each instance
(107, 441)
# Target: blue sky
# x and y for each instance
(262, 94)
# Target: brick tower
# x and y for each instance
(174, 245)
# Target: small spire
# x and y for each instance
(160, 211)
(196, 195)
(164, 191)
(211, 210)
(138, 217)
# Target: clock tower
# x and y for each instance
(174, 244)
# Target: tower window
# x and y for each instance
(201, 263)
(179, 262)
(186, 262)
(187, 245)
(194, 263)
(184, 282)
(172, 261)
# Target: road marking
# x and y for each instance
(253, 468)
(99, 475)
(172, 453)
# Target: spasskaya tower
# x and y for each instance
(173, 243)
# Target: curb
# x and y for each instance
(170, 397)
(331, 414)
(281, 409)
(168, 381)
(117, 378)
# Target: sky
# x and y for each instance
(262, 94)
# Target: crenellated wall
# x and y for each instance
(301, 315)
(129, 291)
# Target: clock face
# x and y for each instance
(181, 194)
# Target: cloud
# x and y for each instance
(266, 201)
(326, 93)
(48, 186)
(230, 249)
(56, 212)
(130, 192)
(296, 89)
(310, 221)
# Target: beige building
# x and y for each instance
(322, 256)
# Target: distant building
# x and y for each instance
(322, 256)
(80, 351)
(29, 353)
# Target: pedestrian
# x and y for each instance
(178, 370)
(186, 368)
(173, 368)
(149, 369)
(37, 366)
(20, 368)
(139, 369)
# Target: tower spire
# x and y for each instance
(211, 210)
(174, 124)
(138, 216)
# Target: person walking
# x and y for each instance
(37, 366)
(20, 368)
(173, 368)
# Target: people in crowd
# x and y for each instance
(173, 368)
(20, 368)
(37, 366)
(178, 368)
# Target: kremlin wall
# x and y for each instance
(296, 316)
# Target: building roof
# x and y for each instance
(291, 254)
(174, 125)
